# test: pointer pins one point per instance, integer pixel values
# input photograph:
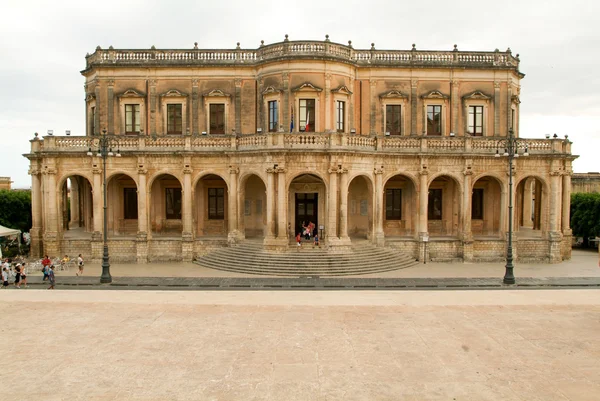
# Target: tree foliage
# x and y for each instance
(15, 209)
(585, 215)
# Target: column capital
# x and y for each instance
(414, 83)
(468, 171)
(187, 170)
(234, 170)
(497, 84)
(142, 170)
(50, 170)
(33, 170)
(378, 170)
(555, 173)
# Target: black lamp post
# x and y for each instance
(511, 147)
(105, 145)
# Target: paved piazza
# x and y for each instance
(295, 345)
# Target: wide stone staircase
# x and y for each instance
(249, 257)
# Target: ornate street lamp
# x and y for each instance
(511, 147)
(105, 145)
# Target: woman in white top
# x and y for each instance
(80, 264)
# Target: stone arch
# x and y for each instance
(210, 201)
(400, 205)
(165, 205)
(531, 206)
(122, 204)
(487, 206)
(114, 173)
(411, 177)
(292, 177)
(76, 205)
(360, 205)
(161, 172)
(444, 215)
(458, 180)
(252, 219)
(307, 194)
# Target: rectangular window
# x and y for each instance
(217, 118)
(434, 120)
(477, 204)
(216, 203)
(393, 119)
(173, 203)
(434, 204)
(307, 115)
(93, 120)
(340, 112)
(476, 120)
(273, 116)
(130, 203)
(393, 204)
(132, 119)
(174, 119)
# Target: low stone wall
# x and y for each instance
(122, 250)
(202, 247)
(440, 250)
(75, 247)
(164, 250)
(489, 250)
(531, 250)
(409, 247)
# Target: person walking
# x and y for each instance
(51, 277)
(4, 277)
(23, 276)
(299, 240)
(18, 275)
(46, 262)
(80, 264)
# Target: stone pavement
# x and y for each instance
(581, 271)
(300, 345)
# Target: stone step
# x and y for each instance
(249, 257)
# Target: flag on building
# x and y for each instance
(292, 121)
(307, 127)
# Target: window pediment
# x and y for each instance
(270, 90)
(131, 93)
(434, 95)
(307, 87)
(342, 90)
(173, 93)
(477, 95)
(393, 94)
(216, 93)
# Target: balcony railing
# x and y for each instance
(301, 142)
(301, 49)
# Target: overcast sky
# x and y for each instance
(43, 46)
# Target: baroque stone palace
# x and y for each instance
(394, 146)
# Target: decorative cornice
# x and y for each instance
(307, 87)
(173, 93)
(269, 90)
(434, 94)
(217, 93)
(393, 94)
(477, 95)
(342, 90)
(131, 93)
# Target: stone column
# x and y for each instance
(455, 99)
(270, 203)
(97, 205)
(282, 219)
(74, 204)
(142, 234)
(110, 104)
(497, 102)
(414, 84)
(331, 229)
(423, 229)
(232, 215)
(344, 206)
(260, 112)
(378, 209)
(527, 200)
(153, 105)
(238, 105)
(187, 244)
(351, 116)
(97, 121)
(328, 119)
(195, 123)
(566, 209)
(373, 107)
(36, 213)
(286, 106)
(555, 235)
(467, 235)
(51, 238)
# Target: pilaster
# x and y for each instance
(153, 104)
(238, 105)
(455, 100)
(110, 104)
(414, 99)
(286, 107)
(282, 219)
(497, 104)
(36, 212)
(373, 107)
(233, 214)
(195, 125)
(379, 237)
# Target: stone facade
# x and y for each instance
(5, 183)
(585, 182)
(204, 148)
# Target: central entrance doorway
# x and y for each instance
(307, 210)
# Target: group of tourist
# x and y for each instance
(15, 271)
(308, 230)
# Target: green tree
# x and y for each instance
(585, 215)
(15, 209)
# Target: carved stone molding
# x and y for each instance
(497, 84)
(343, 90)
(234, 170)
(50, 170)
(217, 93)
(131, 93)
(195, 82)
(270, 89)
(414, 83)
(477, 95)
(434, 94)
(173, 93)
(393, 94)
(110, 82)
(307, 87)
(237, 82)
(285, 76)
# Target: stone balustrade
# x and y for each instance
(302, 49)
(303, 141)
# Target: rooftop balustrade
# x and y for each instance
(314, 141)
(302, 49)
